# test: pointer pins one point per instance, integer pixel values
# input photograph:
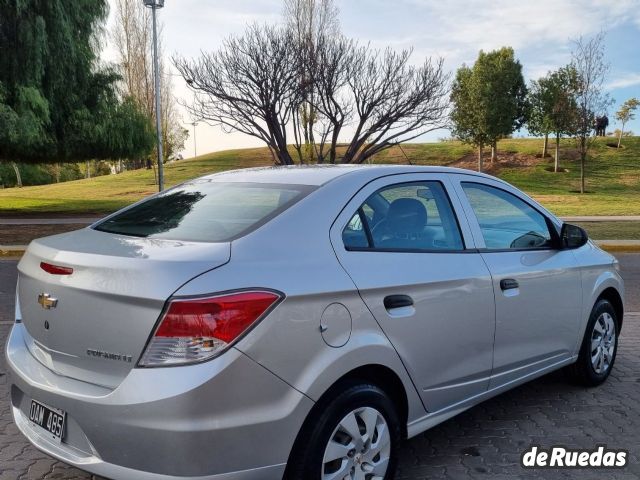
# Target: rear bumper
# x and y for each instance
(227, 419)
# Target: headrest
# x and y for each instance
(406, 216)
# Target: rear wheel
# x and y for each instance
(354, 436)
(599, 346)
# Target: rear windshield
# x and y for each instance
(206, 211)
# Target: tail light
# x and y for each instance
(197, 329)
(55, 269)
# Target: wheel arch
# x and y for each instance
(606, 284)
(379, 375)
(387, 380)
(615, 299)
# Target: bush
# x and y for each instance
(33, 174)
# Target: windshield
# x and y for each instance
(206, 211)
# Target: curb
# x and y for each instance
(621, 246)
(12, 251)
(600, 218)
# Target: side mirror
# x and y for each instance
(573, 236)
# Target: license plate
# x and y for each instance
(51, 420)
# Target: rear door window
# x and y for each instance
(405, 217)
(206, 211)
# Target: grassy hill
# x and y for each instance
(613, 178)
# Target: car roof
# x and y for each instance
(320, 174)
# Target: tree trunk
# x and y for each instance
(334, 145)
(88, 173)
(557, 162)
(544, 146)
(18, 176)
(57, 173)
(312, 140)
(480, 159)
(493, 150)
(284, 158)
(307, 133)
(582, 165)
(620, 136)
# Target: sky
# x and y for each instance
(541, 33)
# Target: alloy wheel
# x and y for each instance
(603, 343)
(359, 447)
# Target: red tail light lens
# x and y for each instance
(197, 329)
(55, 269)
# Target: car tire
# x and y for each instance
(325, 435)
(599, 347)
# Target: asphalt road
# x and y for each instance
(630, 264)
(485, 442)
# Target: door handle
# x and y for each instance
(508, 284)
(397, 301)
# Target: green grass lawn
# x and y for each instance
(612, 230)
(613, 178)
(613, 181)
(105, 194)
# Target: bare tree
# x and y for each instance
(591, 67)
(330, 78)
(384, 99)
(251, 85)
(310, 21)
(132, 37)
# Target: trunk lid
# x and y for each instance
(107, 308)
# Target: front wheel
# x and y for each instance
(599, 346)
(354, 436)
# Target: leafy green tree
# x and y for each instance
(489, 100)
(500, 76)
(553, 108)
(625, 114)
(540, 104)
(57, 104)
(467, 113)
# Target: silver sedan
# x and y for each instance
(298, 322)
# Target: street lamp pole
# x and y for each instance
(154, 5)
(195, 145)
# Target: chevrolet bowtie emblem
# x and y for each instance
(46, 301)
